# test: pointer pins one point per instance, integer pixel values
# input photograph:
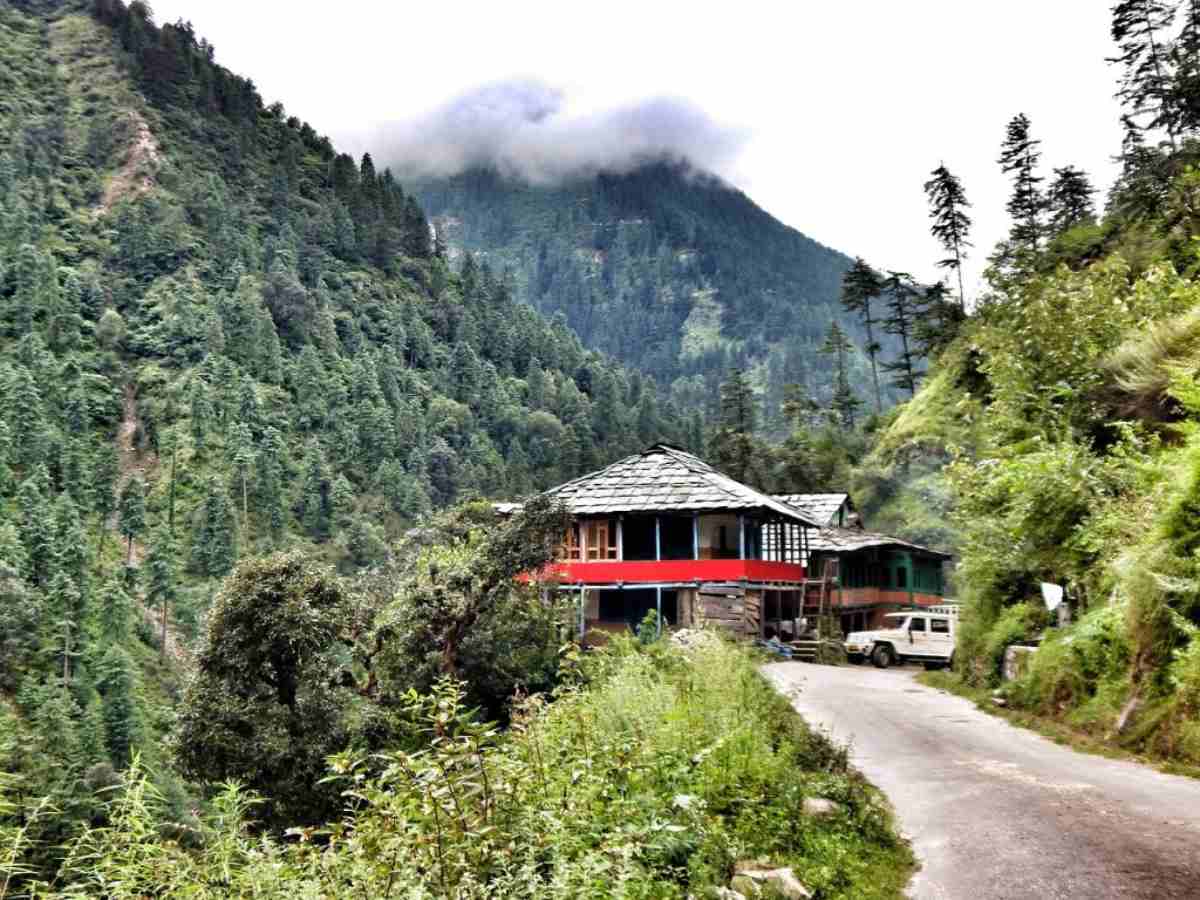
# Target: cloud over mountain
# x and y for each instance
(525, 129)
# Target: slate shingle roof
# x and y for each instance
(822, 507)
(666, 479)
(847, 540)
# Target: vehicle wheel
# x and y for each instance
(882, 657)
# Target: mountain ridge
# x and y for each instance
(666, 267)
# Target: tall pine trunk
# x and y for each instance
(873, 354)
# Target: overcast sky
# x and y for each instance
(829, 115)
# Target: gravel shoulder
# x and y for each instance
(995, 811)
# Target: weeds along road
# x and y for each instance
(995, 811)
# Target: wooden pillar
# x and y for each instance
(658, 607)
(657, 538)
(696, 536)
(620, 537)
(582, 612)
(741, 536)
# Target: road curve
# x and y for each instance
(995, 811)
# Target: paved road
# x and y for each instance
(995, 811)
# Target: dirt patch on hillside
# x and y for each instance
(142, 159)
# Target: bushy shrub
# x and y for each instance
(649, 775)
(1074, 665)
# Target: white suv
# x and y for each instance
(926, 637)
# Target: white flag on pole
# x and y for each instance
(1052, 594)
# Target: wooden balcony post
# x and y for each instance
(658, 607)
(657, 538)
(582, 612)
(695, 536)
(620, 537)
(741, 536)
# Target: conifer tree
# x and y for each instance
(951, 224)
(1069, 200)
(936, 320)
(37, 535)
(169, 443)
(242, 447)
(1185, 61)
(105, 470)
(201, 413)
(70, 541)
(314, 505)
(844, 402)
(901, 304)
(733, 445)
(860, 285)
(65, 613)
(131, 513)
(117, 685)
(114, 609)
(214, 537)
(161, 587)
(1138, 28)
(1019, 158)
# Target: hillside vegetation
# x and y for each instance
(1057, 439)
(221, 338)
(667, 268)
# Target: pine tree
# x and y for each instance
(214, 537)
(161, 587)
(169, 443)
(201, 413)
(951, 225)
(114, 609)
(105, 470)
(1019, 157)
(242, 447)
(844, 402)
(1184, 99)
(733, 446)
(936, 321)
(1069, 200)
(902, 297)
(117, 685)
(70, 542)
(37, 535)
(860, 285)
(1146, 84)
(131, 513)
(314, 505)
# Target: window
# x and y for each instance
(590, 540)
(939, 626)
(916, 624)
(902, 578)
(568, 550)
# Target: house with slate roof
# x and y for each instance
(664, 531)
(831, 510)
(877, 574)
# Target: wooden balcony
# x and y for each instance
(678, 571)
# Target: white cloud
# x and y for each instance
(841, 108)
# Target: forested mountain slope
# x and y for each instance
(219, 337)
(665, 267)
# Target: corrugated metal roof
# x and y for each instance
(822, 507)
(666, 479)
(847, 540)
